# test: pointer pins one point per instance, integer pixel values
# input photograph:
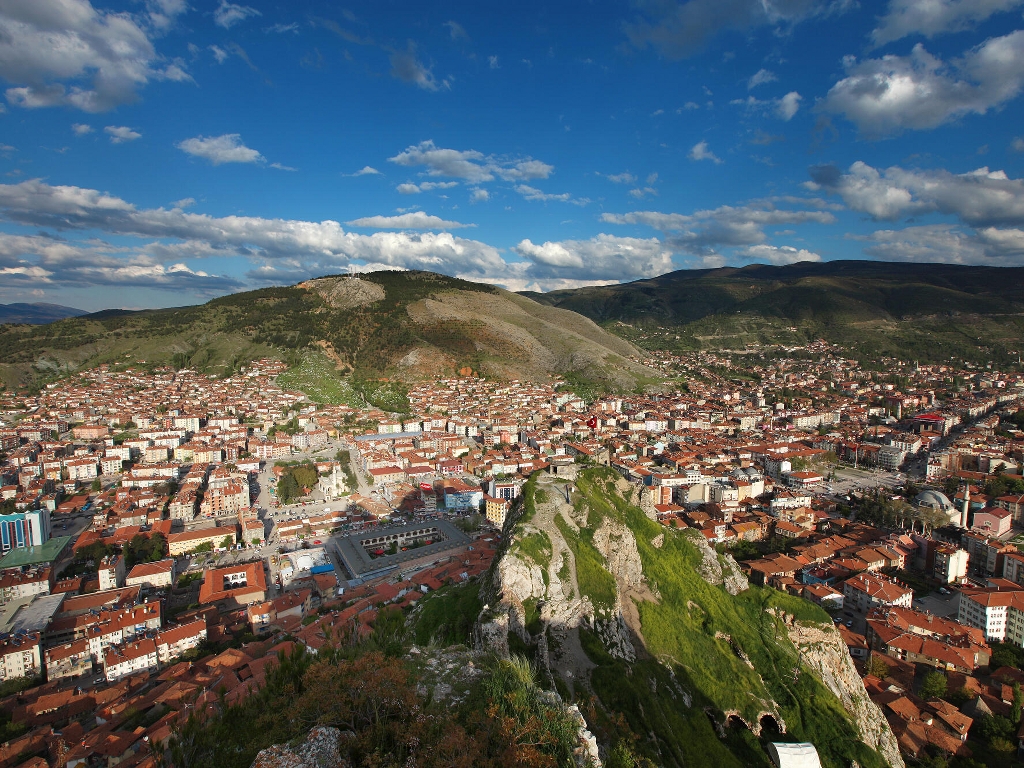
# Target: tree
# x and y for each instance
(878, 667)
(255, 541)
(933, 686)
(228, 542)
(287, 488)
(97, 485)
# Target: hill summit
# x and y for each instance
(402, 325)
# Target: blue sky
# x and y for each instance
(161, 152)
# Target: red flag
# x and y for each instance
(592, 422)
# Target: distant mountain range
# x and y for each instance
(37, 313)
(922, 311)
(407, 326)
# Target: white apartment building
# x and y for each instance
(20, 656)
(998, 611)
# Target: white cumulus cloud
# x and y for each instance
(948, 244)
(220, 149)
(761, 77)
(414, 220)
(780, 255)
(703, 232)
(471, 165)
(979, 198)
(935, 17)
(119, 134)
(700, 151)
(604, 257)
(886, 96)
(366, 170)
(532, 193)
(68, 53)
(788, 106)
(175, 235)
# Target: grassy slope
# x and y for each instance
(926, 311)
(680, 630)
(320, 380)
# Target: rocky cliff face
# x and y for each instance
(319, 750)
(553, 588)
(823, 651)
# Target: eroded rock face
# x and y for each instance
(823, 651)
(345, 292)
(319, 750)
(616, 544)
(718, 570)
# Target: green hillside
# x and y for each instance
(402, 325)
(926, 311)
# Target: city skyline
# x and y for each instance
(160, 153)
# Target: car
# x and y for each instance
(943, 591)
(849, 623)
(99, 680)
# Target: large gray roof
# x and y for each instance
(934, 499)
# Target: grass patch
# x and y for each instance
(537, 547)
(316, 376)
(447, 616)
(594, 580)
(529, 502)
(534, 625)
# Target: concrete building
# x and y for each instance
(496, 510)
(111, 572)
(16, 583)
(950, 564)
(992, 521)
(20, 655)
(68, 660)
(140, 656)
(234, 586)
(29, 528)
(997, 610)
(173, 642)
(180, 543)
(156, 575)
(865, 591)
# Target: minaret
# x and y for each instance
(966, 507)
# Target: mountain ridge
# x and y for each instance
(929, 311)
(36, 313)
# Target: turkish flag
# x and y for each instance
(592, 422)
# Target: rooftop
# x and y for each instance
(359, 563)
(36, 555)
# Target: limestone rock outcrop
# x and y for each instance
(823, 651)
(319, 750)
